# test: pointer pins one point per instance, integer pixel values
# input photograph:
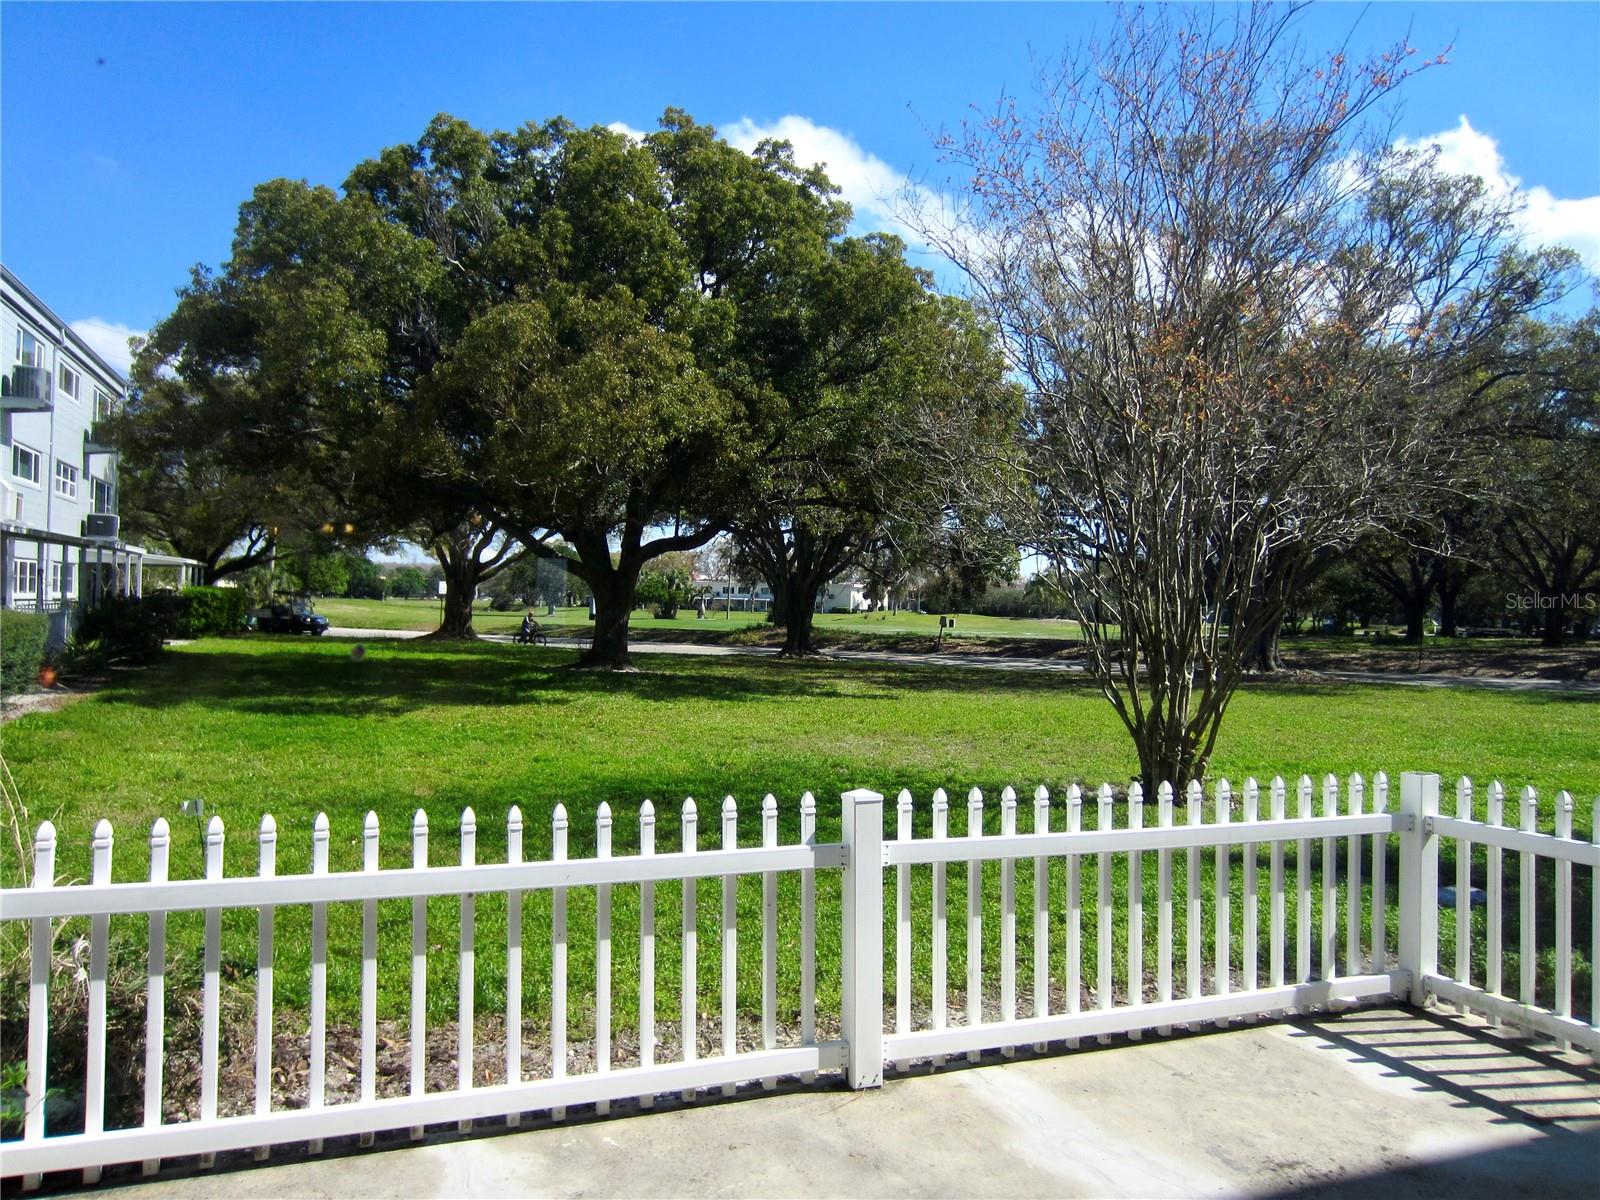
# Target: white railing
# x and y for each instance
(1326, 932)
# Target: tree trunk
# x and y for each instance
(613, 605)
(460, 586)
(799, 592)
(1553, 627)
(797, 639)
(1416, 618)
(778, 616)
(1449, 594)
(1265, 656)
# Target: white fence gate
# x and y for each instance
(1333, 971)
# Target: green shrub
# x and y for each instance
(211, 611)
(132, 627)
(22, 641)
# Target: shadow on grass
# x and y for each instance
(284, 678)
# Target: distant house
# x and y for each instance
(733, 593)
(848, 595)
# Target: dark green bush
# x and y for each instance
(132, 627)
(22, 640)
(211, 611)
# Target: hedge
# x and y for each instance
(22, 641)
(208, 611)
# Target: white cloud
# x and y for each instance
(624, 128)
(878, 193)
(1545, 218)
(109, 340)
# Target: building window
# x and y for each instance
(104, 405)
(66, 480)
(25, 578)
(69, 579)
(30, 351)
(25, 463)
(103, 498)
(70, 381)
(55, 581)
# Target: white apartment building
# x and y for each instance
(59, 536)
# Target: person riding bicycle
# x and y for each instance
(529, 626)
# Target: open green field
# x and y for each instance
(424, 615)
(294, 727)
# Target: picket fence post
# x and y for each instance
(863, 937)
(1419, 881)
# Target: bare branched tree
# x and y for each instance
(1231, 301)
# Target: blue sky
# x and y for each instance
(130, 133)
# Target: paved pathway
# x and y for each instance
(1001, 662)
(1373, 1104)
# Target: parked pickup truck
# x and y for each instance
(297, 617)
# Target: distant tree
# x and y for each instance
(408, 583)
(319, 574)
(1234, 305)
(365, 579)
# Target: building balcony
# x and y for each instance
(97, 439)
(26, 389)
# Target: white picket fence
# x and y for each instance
(1327, 970)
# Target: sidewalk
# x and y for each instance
(997, 662)
(1375, 1103)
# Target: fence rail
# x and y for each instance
(1197, 960)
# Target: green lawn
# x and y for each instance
(424, 614)
(291, 727)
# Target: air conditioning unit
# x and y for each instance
(26, 389)
(100, 526)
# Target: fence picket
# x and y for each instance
(941, 937)
(369, 971)
(558, 959)
(974, 918)
(267, 842)
(1222, 887)
(1250, 912)
(1008, 916)
(94, 1086)
(211, 987)
(808, 932)
(769, 936)
(318, 1066)
(1193, 933)
(1074, 983)
(691, 950)
(1330, 882)
(602, 956)
(1463, 889)
(902, 923)
(1103, 818)
(1164, 905)
(730, 940)
(1275, 902)
(1380, 884)
(40, 938)
(155, 1000)
(513, 961)
(1135, 906)
(419, 967)
(1594, 921)
(467, 988)
(1563, 1000)
(1530, 802)
(647, 951)
(1303, 914)
(1352, 884)
(1041, 913)
(1494, 950)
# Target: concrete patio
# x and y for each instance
(1371, 1103)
